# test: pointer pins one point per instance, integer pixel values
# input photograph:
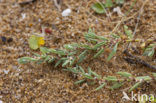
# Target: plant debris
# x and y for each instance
(135, 60)
(26, 2)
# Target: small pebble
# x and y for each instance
(54, 26)
(66, 12)
(39, 20)
(6, 71)
(23, 15)
(10, 40)
(3, 38)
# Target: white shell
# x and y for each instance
(66, 12)
(118, 10)
(23, 15)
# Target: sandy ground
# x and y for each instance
(33, 83)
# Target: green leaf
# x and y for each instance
(95, 74)
(91, 36)
(151, 53)
(65, 63)
(115, 36)
(91, 40)
(89, 71)
(71, 46)
(33, 42)
(82, 56)
(146, 78)
(73, 70)
(116, 85)
(109, 3)
(90, 33)
(52, 50)
(101, 86)
(134, 86)
(154, 74)
(25, 60)
(119, 1)
(51, 60)
(72, 53)
(128, 32)
(98, 8)
(44, 50)
(88, 76)
(98, 53)
(124, 74)
(72, 61)
(68, 46)
(113, 52)
(59, 52)
(81, 69)
(150, 50)
(80, 81)
(40, 61)
(111, 78)
(102, 38)
(153, 98)
(99, 45)
(47, 58)
(43, 56)
(58, 62)
(37, 55)
(86, 46)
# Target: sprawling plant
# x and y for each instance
(72, 55)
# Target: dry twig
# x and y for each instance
(57, 4)
(135, 60)
(27, 2)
